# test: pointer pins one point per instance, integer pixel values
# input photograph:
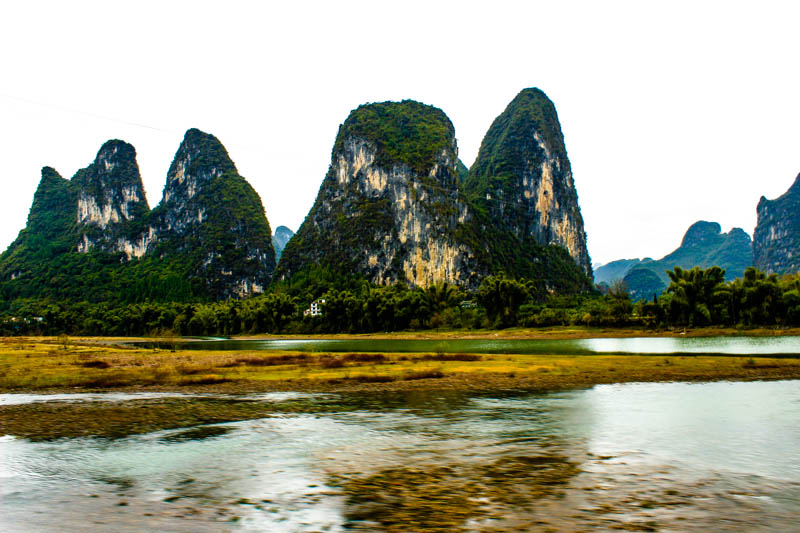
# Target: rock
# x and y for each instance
(389, 206)
(776, 240)
(94, 238)
(397, 205)
(212, 219)
(523, 180)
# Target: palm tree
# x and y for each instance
(694, 292)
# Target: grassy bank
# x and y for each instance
(62, 365)
(81, 365)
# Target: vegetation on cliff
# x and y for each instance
(391, 209)
(389, 204)
(406, 132)
(357, 222)
(521, 190)
(72, 248)
(704, 245)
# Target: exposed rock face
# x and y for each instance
(392, 208)
(389, 205)
(209, 237)
(776, 240)
(523, 180)
(280, 239)
(110, 196)
(213, 219)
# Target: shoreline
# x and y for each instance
(39, 364)
(546, 333)
(221, 380)
(552, 333)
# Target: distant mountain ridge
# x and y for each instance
(280, 239)
(615, 270)
(703, 245)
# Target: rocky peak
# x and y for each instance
(738, 235)
(109, 194)
(280, 239)
(776, 239)
(199, 159)
(214, 219)
(701, 233)
(522, 177)
(389, 205)
(208, 238)
(51, 214)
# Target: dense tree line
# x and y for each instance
(694, 298)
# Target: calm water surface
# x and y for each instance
(667, 456)
(786, 345)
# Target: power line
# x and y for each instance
(87, 113)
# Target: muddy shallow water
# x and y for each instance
(652, 457)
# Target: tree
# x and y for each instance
(620, 300)
(502, 298)
(695, 293)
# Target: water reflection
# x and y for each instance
(633, 456)
(779, 345)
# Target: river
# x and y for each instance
(650, 456)
(720, 345)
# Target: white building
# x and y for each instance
(315, 309)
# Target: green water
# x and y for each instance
(787, 346)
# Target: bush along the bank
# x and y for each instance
(345, 304)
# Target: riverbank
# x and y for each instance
(550, 333)
(84, 364)
(52, 365)
(536, 481)
(56, 365)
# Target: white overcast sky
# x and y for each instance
(672, 112)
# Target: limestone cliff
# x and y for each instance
(212, 219)
(94, 238)
(389, 206)
(522, 178)
(111, 200)
(776, 240)
(392, 208)
(50, 229)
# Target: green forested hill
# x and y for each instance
(520, 187)
(398, 205)
(93, 238)
(704, 245)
